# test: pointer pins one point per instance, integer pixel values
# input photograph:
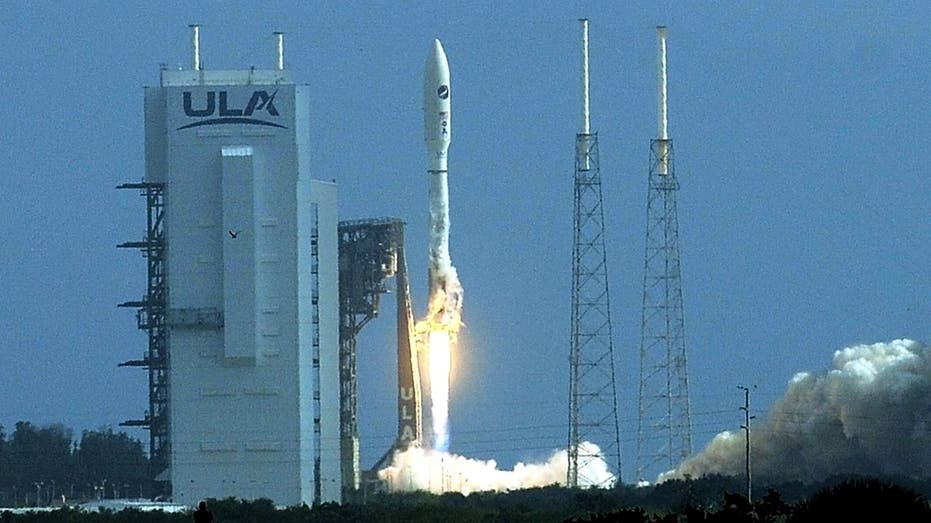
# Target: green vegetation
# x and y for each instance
(40, 465)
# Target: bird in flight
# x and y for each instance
(233, 235)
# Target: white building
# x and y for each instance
(253, 309)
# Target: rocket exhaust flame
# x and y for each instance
(436, 335)
(439, 343)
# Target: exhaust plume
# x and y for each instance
(430, 470)
(870, 414)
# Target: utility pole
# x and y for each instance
(746, 427)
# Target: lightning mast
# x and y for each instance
(664, 434)
(592, 393)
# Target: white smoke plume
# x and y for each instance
(445, 289)
(870, 414)
(437, 333)
(433, 471)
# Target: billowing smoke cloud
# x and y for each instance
(870, 414)
(430, 470)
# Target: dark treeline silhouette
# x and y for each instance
(39, 465)
(836, 500)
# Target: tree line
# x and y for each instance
(41, 466)
(847, 500)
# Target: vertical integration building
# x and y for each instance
(245, 399)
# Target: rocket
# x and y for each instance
(437, 129)
(445, 307)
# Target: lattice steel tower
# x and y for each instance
(592, 394)
(151, 316)
(664, 434)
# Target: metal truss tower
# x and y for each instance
(370, 252)
(592, 391)
(315, 347)
(151, 316)
(664, 434)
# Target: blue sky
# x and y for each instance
(802, 143)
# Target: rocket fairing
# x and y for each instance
(437, 130)
(436, 104)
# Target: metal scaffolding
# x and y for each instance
(370, 252)
(152, 317)
(664, 434)
(315, 361)
(592, 395)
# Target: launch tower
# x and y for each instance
(664, 434)
(371, 252)
(151, 317)
(592, 393)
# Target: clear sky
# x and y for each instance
(803, 144)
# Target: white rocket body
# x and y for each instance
(436, 123)
(437, 128)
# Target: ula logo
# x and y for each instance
(260, 101)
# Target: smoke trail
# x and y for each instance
(445, 289)
(437, 333)
(870, 414)
(430, 470)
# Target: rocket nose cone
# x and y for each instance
(437, 65)
(438, 48)
(436, 98)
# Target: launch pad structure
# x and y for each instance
(151, 316)
(370, 252)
